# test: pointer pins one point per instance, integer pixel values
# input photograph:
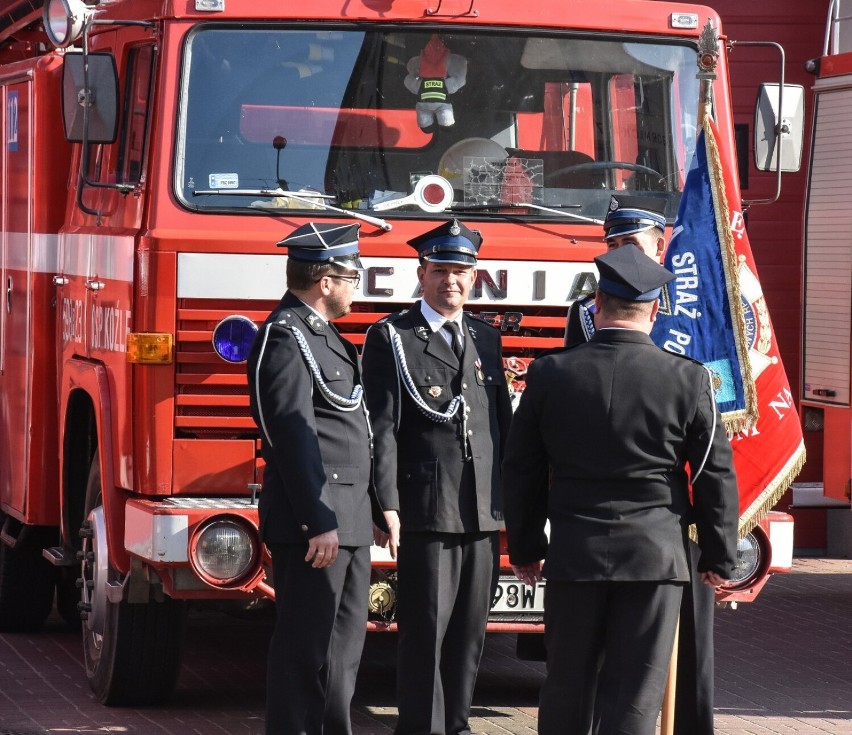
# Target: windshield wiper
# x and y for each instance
(314, 201)
(526, 205)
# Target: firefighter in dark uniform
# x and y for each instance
(315, 508)
(439, 404)
(641, 221)
(600, 446)
(630, 220)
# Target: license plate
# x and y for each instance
(512, 595)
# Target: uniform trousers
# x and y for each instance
(316, 646)
(610, 643)
(446, 586)
(693, 713)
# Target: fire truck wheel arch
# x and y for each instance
(92, 380)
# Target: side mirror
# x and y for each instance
(101, 98)
(779, 130)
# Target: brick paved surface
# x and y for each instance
(784, 666)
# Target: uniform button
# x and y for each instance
(428, 377)
(464, 385)
(408, 476)
(337, 372)
(470, 432)
(334, 476)
(304, 527)
(488, 378)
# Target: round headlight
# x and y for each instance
(749, 557)
(223, 551)
(64, 20)
(233, 337)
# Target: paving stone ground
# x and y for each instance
(784, 667)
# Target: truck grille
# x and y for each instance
(211, 395)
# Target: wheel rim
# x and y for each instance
(95, 577)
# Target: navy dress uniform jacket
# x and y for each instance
(615, 488)
(580, 322)
(317, 475)
(419, 463)
(695, 655)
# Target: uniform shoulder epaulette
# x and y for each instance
(285, 319)
(555, 351)
(684, 357)
(479, 318)
(389, 318)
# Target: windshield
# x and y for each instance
(407, 123)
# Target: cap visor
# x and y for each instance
(458, 258)
(628, 228)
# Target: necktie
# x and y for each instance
(455, 339)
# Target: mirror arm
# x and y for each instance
(83, 179)
(778, 137)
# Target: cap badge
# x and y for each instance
(455, 229)
(613, 204)
(435, 391)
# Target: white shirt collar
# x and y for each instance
(325, 321)
(436, 320)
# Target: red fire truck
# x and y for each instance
(153, 153)
(827, 339)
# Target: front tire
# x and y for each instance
(131, 651)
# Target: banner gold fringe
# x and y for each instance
(764, 502)
(745, 419)
(773, 492)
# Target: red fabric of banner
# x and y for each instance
(770, 454)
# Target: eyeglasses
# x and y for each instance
(356, 279)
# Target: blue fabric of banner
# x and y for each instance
(695, 316)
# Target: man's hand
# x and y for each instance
(529, 574)
(392, 519)
(322, 549)
(380, 538)
(711, 579)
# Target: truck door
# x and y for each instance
(16, 202)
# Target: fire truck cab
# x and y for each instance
(153, 153)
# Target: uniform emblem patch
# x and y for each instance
(435, 391)
(315, 323)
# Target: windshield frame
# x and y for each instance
(279, 204)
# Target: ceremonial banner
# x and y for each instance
(714, 311)
(701, 314)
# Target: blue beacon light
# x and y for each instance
(233, 337)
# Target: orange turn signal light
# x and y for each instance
(150, 348)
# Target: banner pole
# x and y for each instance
(668, 710)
